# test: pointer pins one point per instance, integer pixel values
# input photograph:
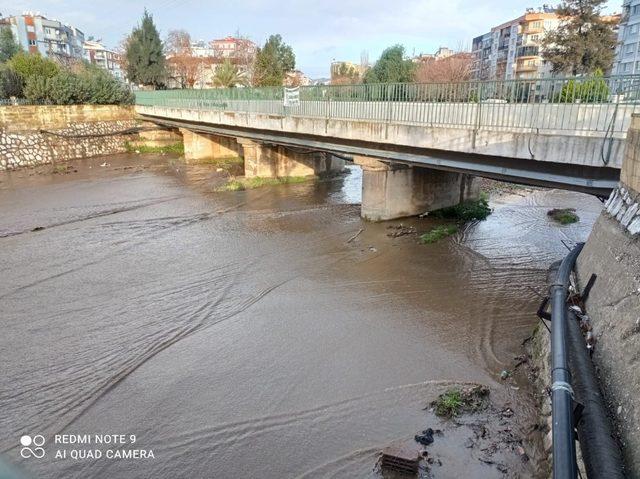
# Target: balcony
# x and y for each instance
(526, 67)
(528, 51)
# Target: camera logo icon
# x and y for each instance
(32, 446)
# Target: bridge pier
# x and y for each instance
(393, 190)
(273, 161)
(204, 146)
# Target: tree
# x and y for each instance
(8, 45)
(584, 42)
(344, 74)
(273, 60)
(228, 75)
(455, 68)
(27, 65)
(391, 67)
(146, 63)
(184, 67)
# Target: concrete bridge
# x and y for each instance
(419, 145)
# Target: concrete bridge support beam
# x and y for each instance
(273, 161)
(395, 190)
(203, 146)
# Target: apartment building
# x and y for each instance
(514, 49)
(51, 38)
(232, 47)
(97, 54)
(628, 52)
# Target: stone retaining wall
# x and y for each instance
(41, 134)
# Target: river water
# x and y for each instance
(242, 334)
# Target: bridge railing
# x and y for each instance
(581, 105)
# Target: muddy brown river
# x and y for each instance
(241, 334)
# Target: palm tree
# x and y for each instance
(228, 76)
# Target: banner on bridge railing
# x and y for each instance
(291, 96)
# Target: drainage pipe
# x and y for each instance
(564, 449)
(600, 452)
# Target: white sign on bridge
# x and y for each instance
(292, 96)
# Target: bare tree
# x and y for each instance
(454, 68)
(184, 66)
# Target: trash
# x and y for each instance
(400, 230)
(425, 438)
(504, 374)
(400, 458)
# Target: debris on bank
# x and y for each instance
(469, 436)
(400, 230)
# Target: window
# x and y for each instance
(629, 49)
(635, 9)
(32, 42)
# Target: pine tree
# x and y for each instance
(273, 61)
(584, 42)
(391, 67)
(145, 60)
(8, 45)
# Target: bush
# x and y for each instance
(466, 211)
(91, 85)
(438, 233)
(11, 83)
(593, 90)
(29, 65)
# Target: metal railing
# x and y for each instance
(585, 105)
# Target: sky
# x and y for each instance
(319, 31)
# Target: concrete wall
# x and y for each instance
(42, 134)
(546, 144)
(612, 252)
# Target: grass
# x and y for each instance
(449, 404)
(239, 184)
(437, 233)
(564, 216)
(453, 402)
(466, 211)
(177, 148)
(226, 162)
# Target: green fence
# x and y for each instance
(582, 104)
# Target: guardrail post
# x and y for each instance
(478, 117)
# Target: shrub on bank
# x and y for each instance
(41, 80)
(91, 85)
(11, 84)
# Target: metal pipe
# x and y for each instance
(600, 452)
(564, 450)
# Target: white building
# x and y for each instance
(51, 38)
(627, 54)
(98, 54)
